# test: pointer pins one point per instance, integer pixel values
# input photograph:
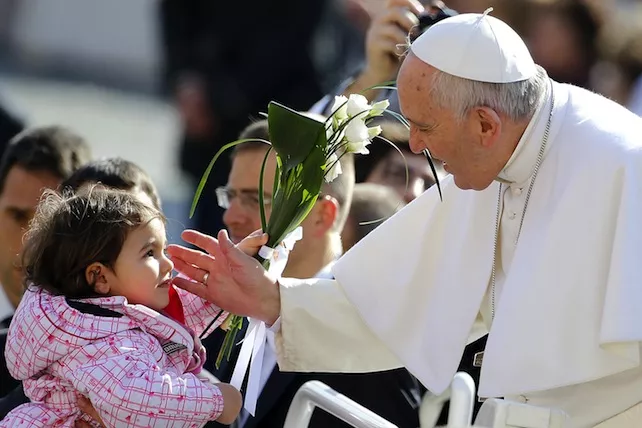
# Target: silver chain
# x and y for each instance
(538, 163)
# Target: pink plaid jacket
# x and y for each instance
(139, 368)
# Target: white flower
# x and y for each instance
(356, 131)
(340, 108)
(359, 148)
(378, 108)
(374, 131)
(357, 136)
(330, 131)
(357, 104)
(334, 166)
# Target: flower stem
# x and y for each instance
(236, 323)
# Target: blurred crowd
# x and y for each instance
(225, 61)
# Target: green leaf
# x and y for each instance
(261, 194)
(399, 117)
(293, 135)
(434, 172)
(390, 84)
(208, 170)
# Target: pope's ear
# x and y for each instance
(96, 277)
(488, 124)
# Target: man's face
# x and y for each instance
(18, 201)
(457, 145)
(243, 216)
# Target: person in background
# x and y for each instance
(10, 126)
(562, 37)
(619, 73)
(115, 173)
(371, 205)
(389, 29)
(36, 159)
(388, 166)
(225, 61)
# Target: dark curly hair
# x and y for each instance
(70, 231)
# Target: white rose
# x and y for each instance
(334, 166)
(340, 108)
(357, 104)
(360, 148)
(374, 131)
(378, 108)
(356, 131)
(330, 131)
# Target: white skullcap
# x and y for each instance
(476, 47)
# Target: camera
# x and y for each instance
(434, 13)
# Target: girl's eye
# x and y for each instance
(150, 253)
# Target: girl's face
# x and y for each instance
(142, 272)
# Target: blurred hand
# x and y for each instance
(194, 109)
(389, 29)
(87, 408)
(253, 242)
(236, 282)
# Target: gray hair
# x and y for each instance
(517, 100)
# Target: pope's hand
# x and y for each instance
(226, 276)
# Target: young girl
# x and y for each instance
(91, 322)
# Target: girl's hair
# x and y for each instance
(69, 232)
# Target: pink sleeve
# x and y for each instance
(199, 313)
(127, 387)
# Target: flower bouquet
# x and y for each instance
(308, 152)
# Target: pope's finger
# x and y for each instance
(193, 287)
(230, 252)
(194, 273)
(190, 256)
(201, 240)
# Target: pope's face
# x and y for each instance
(456, 144)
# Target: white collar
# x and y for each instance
(326, 272)
(521, 164)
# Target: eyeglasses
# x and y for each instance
(249, 199)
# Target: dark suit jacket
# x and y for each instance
(394, 395)
(7, 383)
(10, 126)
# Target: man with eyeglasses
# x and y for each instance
(394, 394)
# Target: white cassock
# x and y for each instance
(567, 329)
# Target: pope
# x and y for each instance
(537, 242)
